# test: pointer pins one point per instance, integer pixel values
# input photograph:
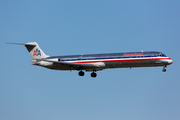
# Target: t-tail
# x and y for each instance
(34, 50)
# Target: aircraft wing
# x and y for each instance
(94, 65)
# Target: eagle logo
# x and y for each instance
(36, 52)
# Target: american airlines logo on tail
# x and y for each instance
(36, 52)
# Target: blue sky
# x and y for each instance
(83, 27)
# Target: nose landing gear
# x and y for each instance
(164, 69)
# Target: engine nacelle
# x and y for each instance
(41, 63)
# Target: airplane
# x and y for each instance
(96, 62)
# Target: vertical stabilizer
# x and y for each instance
(35, 51)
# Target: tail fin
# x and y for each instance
(34, 50)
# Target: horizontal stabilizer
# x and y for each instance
(34, 50)
(22, 44)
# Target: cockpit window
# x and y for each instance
(161, 55)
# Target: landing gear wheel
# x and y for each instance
(93, 74)
(81, 73)
(164, 70)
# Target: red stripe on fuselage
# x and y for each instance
(123, 60)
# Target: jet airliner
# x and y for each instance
(96, 62)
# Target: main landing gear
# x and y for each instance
(93, 74)
(164, 69)
(81, 73)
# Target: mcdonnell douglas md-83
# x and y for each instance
(96, 62)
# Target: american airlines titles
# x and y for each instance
(133, 54)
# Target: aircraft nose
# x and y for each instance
(170, 61)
